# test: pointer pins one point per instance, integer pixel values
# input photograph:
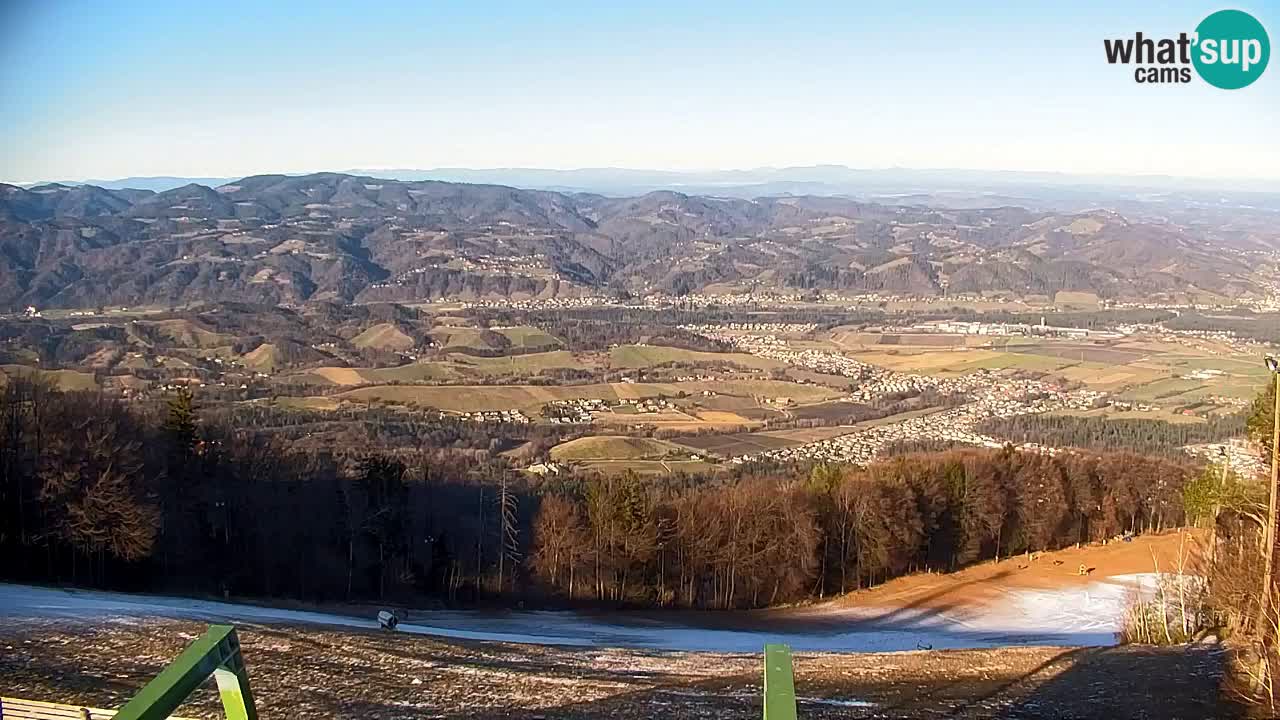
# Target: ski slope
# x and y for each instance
(1077, 616)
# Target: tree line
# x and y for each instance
(1144, 435)
(781, 536)
(100, 492)
(97, 491)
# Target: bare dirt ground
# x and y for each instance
(980, 585)
(321, 673)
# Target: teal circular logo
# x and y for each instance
(1232, 49)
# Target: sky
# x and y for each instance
(104, 90)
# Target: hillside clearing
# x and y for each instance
(644, 356)
(383, 336)
(614, 447)
(470, 398)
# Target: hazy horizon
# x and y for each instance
(177, 89)
(707, 176)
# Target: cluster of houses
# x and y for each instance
(544, 469)
(954, 425)
(874, 381)
(554, 303)
(966, 327)
(1190, 338)
(700, 300)
(989, 395)
(1204, 374)
(577, 410)
(1126, 406)
(755, 328)
(648, 405)
(702, 377)
(496, 416)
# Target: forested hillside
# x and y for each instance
(94, 491)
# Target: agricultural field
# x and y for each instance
(690, 420)
(181, 332)
(61, 379)
(744, 443)
(644, 356)
(384, 336)
(1069, 300)
(345, 376)
(612, 447)
(531, 398)
(854, 339)
(457, 366)
(414, 372)
(464, 339)
(1140, 370)
(527, 364)
(524, 338)
(942, 362)
(1085, 352)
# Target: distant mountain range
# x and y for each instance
(951, 187)
(346, 238)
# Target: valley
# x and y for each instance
(616, 444)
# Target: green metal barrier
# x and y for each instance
(779, 684)
(216, 653)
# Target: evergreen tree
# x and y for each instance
(180, 421)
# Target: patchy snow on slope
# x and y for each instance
(1088, 615)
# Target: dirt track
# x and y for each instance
(979, 585)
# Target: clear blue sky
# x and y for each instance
(92, 89)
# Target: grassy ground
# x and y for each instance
(413, 372)
(61, 379)
(463, 338)
(457, 366)
(1136, 369)
(524, 337)
(515, 365)
(643, 356)
(469, 398)
(332, 673)
(614, 447)
(1068, 300)
(384, 336)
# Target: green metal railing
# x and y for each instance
(779, 684)
(215, 653)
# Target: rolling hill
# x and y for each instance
(328, 237)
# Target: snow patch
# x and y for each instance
(1078, 616)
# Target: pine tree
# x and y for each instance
(180, 422)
